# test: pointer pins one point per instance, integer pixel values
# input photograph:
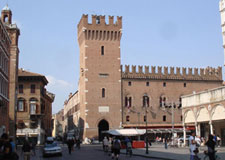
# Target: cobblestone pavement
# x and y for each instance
(87, 152)
(156, 151)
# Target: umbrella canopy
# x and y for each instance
(126, 132)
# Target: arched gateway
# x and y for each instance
(102, 126)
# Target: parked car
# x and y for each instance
(51, 148)
(181, 139)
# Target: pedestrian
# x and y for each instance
(116, 148)
(70, 144)
(218, 140)
(13, 145)
(6, 147)
(34, 147)
(105, 144)
(211, 147)
(215, 138)
(165, 142)
(192, 145)
(128, 146)
(78, 143)
(26, 149)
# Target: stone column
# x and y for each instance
(199, 130)
(211, 127)
(184, 131)
(196, 128)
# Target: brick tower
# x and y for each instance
(100, 75)
(14, 32)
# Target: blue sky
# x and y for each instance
(179, 33)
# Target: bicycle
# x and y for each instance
(207, 156)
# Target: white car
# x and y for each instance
(181, 139)
(52, 149)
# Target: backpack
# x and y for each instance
(116, 144)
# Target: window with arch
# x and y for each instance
(103, 92)
(21, 105)
(162, 101)
(145, 99)
(33, 106)
(128, 101)
(6, 19)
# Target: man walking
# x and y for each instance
(192, 145)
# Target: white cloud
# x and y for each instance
(54, 82)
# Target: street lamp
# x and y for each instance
(146, 132)
(173, 104)
(146, 104)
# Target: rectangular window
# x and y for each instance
(129, 83)
(164, 118)
(147, 83)
(32, 88)
(32, 107)
(144, 118)
(103, 92)
(20, 88)
(128, 118)
(102, 50)
(164, 84)
(185, 84)
(20, 106)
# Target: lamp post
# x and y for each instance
(173, 104)
(145, 104)
(146, 132)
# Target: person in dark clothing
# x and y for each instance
(26, 150)
(211, 147)
(70, 144)
(34, 147)
(7, 151)
(165, 142)
(78, 143)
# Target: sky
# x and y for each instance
(176, 33)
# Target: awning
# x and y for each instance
(126, 132)
(166, 130)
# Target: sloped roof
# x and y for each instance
(24, 73)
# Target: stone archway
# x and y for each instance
(103, 125)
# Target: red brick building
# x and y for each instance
(111, 96)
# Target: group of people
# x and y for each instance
(114, 144)
(210, 143)
(7, 148)
(71, 142)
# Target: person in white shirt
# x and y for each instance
(105, 144)
(192, 145)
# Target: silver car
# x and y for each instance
(52, 149)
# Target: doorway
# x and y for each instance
(102, 126)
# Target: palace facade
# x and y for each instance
(111, 96)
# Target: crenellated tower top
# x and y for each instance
(208, 74)
(98, 29)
